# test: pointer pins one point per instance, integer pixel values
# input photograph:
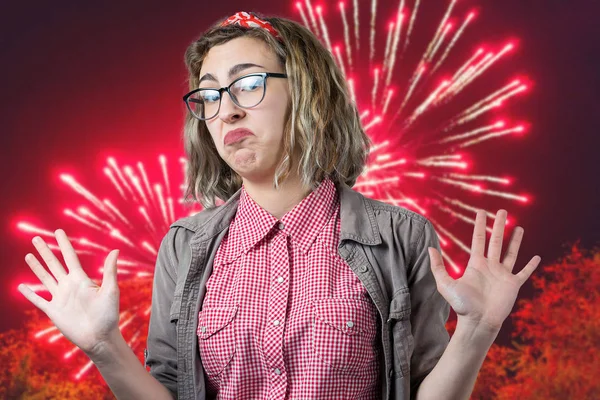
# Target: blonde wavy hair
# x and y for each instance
(322, 127)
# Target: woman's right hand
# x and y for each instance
(85, 313)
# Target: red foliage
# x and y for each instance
(556, 337)
(35, 368)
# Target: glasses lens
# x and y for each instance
(249, 91)
(204, 104)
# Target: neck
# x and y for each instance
(277, 202)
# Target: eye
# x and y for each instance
(249, 83)
(209, 96)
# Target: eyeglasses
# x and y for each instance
(246, 92)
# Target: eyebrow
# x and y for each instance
(236, 69)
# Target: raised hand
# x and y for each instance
(485, 294)
(85, 313)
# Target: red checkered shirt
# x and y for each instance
(284, 316)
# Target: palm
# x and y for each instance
(488, 289)
(84, 312)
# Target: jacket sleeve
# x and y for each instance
(161, 351)
(429, 310)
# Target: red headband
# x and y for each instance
(248, 20)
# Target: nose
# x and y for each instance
(229, 111)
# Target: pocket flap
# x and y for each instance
(350, 316)
(211, 320)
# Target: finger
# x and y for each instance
(478, 242)
(67, 250)
(38, 269)
(109, 276)
(37, 301)
(49, 258)
(495, 248)
(437, 267)
(528, 270)
(513, 248)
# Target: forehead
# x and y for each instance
(238, 51)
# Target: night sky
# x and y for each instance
(83, 80)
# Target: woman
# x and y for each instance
(297, 286)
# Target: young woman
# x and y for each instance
(297, 286)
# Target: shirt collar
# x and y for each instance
(303, 223)
(357, 218)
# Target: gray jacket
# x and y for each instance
(385, 246)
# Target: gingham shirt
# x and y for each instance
(284, 316)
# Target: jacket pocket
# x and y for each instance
(344, 333)
(216, 338)
(402, 338)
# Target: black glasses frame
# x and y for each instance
(265, 75)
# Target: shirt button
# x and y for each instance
(277, 371)
(280, 279)
(276, 322)
(349, 324)
(203, 329)
(281, 225)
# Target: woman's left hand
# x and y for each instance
(484, 296)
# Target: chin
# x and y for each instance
(256, 174)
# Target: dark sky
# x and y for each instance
(84, 79)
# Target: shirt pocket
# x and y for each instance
(216, 338)
(403, 340)
(344, 333)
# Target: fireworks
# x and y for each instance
(134, 221)
(415, 92)
(414, 84)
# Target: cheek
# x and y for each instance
(278, 102)
(213, 137)
(219, 146)
(274, 119)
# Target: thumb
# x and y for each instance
(437, 267)
(109, 277)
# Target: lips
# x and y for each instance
(236, 135)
